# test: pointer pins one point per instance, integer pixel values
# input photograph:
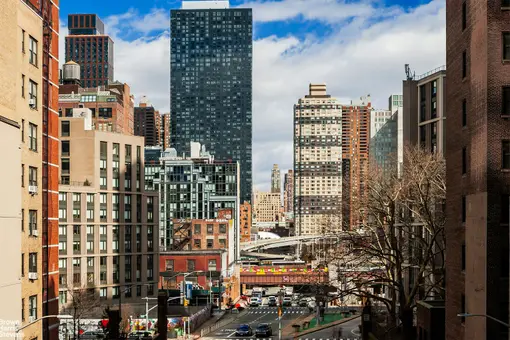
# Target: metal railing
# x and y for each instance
(212, 328)
(424, 75)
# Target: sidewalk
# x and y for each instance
(319, 328)
(225, 317)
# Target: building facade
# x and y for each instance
(288, 192)
(267, 206)
(395, 101)
(108, 223)
(317, 160)
(211, 82)
(276, 180)
(245, 222)
(197, 187)
(91, 48)
(377, 120)
(164, 133)
(112, 106)
(477, 168)
(27, 104)
(355, 156)
(147, 123)
(384, 146)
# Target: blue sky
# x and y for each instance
(356, 47)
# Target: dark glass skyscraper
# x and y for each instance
(211, 82)
(88, 46)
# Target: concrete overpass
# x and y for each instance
(286, 241)
(283, 275)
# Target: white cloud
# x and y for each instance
(367, 55)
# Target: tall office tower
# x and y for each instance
(276, 180)
(377, 119)
(89, 46)
(108, 228)
(267, 206)
(112, 106)
(317, 161)
(29, 149)
(477, 167)
(211, 82)
(288, 192)
(197, 187)
(147, 123)
(355, 160)
(164, 133)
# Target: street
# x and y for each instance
(349, 331)
(253, 317)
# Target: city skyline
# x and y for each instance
(283, 47)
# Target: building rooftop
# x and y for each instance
(205, 4)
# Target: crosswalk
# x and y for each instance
(298, 339)
(289, 310)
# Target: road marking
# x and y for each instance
(355, 333)
(228, 336)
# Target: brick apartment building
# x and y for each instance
(245, 221)
(478, 167)
(147, 123)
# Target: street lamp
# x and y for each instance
(44, 317)
(468, 315)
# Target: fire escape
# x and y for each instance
(182, 236)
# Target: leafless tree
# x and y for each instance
(399, 246)
(82, 303)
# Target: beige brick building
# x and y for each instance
(267, 206)
(108, 228)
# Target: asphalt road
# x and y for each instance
(348, 331)
(254, 316)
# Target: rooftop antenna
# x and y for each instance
(410, 75)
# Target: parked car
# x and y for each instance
(89, 335)
(263, 329)
(255, 301)
(287, 301)
(303, 303)
(244, 330)
(271, 301)
(140, 335)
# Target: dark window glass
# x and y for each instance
(463, 209)
(66, 148)
(505, 3)
(65, 128)
(506, 154)
(506, 101)
(464, 113)
(464, 160)
(464, 64)
(463, 257)
(462, 306)
(506, 45)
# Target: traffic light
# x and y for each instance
(113, 324)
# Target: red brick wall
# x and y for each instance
(181, 263)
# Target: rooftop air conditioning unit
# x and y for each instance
(31, 103)
(32, 189)
(32, 276)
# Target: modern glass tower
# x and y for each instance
(211, 82)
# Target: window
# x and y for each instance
(197, 230)
(32, 176)
(33, 51)
(32, 263)
(32, 307)
(169, 265)
(138, 290)
(464, 64)
(223, 243)
(62, 246)
(463, 257)
(65, 128)
(197, 243)
(23, 265)
(102, 293)
(32, 136)
(506, 154)
(23, 85)
(223, 228)
(90, 246)
(505, 3)
(62, 230)
(210, 244)
(33, 93)
(102, 230)
(62, 213)
(76, 262)
(90, 198)
(506, 45)
(210, 229)
(464, 112)
(62, 263)
(464, 161)
(23, 131)
(150, 290)
(463, 209)
(211, 265)
(462, 306)
(464, 15)
(23, 33)
(22, 219)
(115, 150)
(62, 297)
(65, 147)
(32, 221)
(102, 245)
(191, 265)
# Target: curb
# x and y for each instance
(315, 329)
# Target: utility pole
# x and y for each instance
(280, 313)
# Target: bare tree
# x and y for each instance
(399, 247)
(82, 303)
